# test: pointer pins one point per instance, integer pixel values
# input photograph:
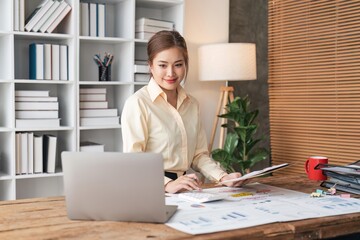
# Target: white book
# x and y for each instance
(100, 20)
(18, 153)
(53, 16)
(47, 61)
(150, 29)
(21, 15)
(92, 90)
(36, 114)
(36, 99)
(154, 22)
(17, 15)
(46, 15)
(110, 112)
(38, 153)
(141, 77)
(36, 61)
(49, 153)
(93, 105)
(144, 35)
(97, 121)
(37, 123)
(24, 153)
(93, 22)
(35, 16)
(92, 97)
(30, 142)
(141, 68)
(32, 93)
(84, 11)
(55, 62)
(64, 62)
(36, 105)
(58, 20)
(88, 146)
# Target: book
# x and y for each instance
(30, 142)
(84, 11)
(109, 112)
(35, 16)
(150, 29)
(144, 35)
(53, 16)
(37, 123)
(64, 62)
(18, 153)
(100, 20)
(58, 19)
(258, 173)
(141, 77)
(17, 15)
(24, 153)
(96, 121)
(49, 153)
(155, 22)
(55, 62)
(92, 90)
(36, 106)
(141, 68)
(47, 61)
(340, 187)
(30, 114)
(36, 61)
(36, 99)
(92, 97)
(21, 15)
(93, 20)
(88, 146)
(38, 153)
(45, 16)
(32, 93)
(93, 105)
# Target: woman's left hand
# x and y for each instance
(232, 176)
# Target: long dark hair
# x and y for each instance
(164, 40)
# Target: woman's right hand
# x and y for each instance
(187, 182)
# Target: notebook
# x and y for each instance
(115, 186)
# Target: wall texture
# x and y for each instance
(248, 23)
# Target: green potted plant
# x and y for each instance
(239, 152)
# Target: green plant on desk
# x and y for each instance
(239, 152)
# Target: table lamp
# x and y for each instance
(226, 62)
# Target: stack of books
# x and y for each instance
(36, 109)
(48, 61)
(145, 28)
(46, 16)
(343, 178)
(94, 109)
(35, 153)
(141, 71)
(92, 19)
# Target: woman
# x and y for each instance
(161, 117)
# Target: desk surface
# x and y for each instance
(45, 218)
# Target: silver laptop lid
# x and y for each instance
(114, 186)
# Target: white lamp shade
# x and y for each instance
(227, 62)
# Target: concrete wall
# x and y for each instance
(248, 23)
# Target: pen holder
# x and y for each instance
(105, 73)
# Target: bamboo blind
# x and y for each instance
(314, 81)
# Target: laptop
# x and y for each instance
(115, 186)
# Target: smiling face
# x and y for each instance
(168, 68)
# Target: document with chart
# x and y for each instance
(255, 204)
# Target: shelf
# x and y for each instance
(31, 81)
(100, 127)
(39, 175)
(41, 36)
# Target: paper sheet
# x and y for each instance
(255, 204)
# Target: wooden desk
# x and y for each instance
(45, 218)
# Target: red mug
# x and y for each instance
(311, 163)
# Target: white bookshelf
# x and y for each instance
(14, 61)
